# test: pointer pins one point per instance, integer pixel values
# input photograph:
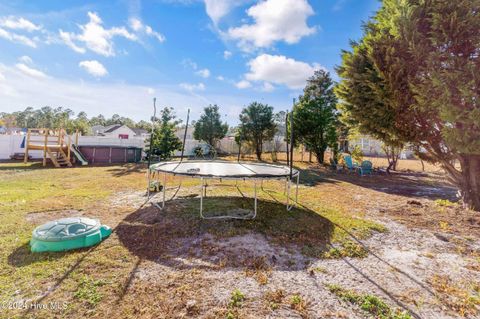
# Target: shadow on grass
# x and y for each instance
(22, 256)
(126, 169)
(177, 235)
(19, 165)
(409, 184)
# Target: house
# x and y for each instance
(119, 131)
(180, 132)
(12, 130)
(373, 147)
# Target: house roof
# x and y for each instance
(139, 131)
(111, 128)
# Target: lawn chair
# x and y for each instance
(349, 164)
(365, 168)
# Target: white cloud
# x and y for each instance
(267, 87)
(67, 39)
(19, 23)
(150, 91)
(93, 67)
(243, 84)
(204, 73)
(280, 70)
(227, 54)
(25, 59)
(2, 77)
(220, 78)
(149, 31)
(30, 71)
(217, 9)
(137, 26)
(189, 63)
(17, 38)
(193, 87)
(95, 37)
(274, 20)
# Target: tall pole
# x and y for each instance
(291, 139)
(185, 135)
(150, 145)
(286, 136)
(239, 147)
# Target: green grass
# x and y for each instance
(236, 301)
(371, 304)
(88, 291)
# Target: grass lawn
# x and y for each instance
(173, 264)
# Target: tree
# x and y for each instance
(315, 115)
(164, 142)
(365, 103)
(425, 58)
(279, 137)
(209, 128)
(257, 125)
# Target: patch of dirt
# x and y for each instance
(449, 220)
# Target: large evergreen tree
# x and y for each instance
(209, 128)
(257, 125)
(425, 59)
(164, 142)
(315, 115)
(365, 102)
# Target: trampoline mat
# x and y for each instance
(223, 169)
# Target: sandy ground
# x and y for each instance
(410, 268)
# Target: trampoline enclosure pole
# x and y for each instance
(291, 139)
(150, 146)
(286, 137)
(185, 135)
(239, 147)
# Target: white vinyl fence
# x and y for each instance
(10, 144)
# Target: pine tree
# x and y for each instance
(315, 115)
(209, 128)
(257, 125)
(164, 142)
(423, 57)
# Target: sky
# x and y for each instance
(114, 57)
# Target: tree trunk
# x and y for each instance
(320, 156)
(470, 181)
(258, 150)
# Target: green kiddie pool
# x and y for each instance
(68, 233)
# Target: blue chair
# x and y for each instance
(365, 168)
(349, 164)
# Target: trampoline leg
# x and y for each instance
(201, 198)
(164, 189)
(289, 184)
(296, 189)
(255, 195)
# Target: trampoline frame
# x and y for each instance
(294, 174)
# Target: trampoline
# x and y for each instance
(228, 170)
